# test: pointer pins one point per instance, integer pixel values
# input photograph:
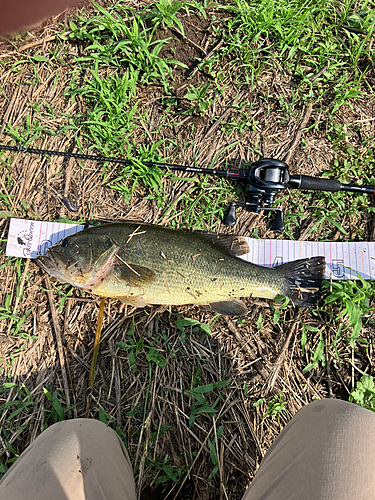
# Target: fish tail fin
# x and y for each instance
(302, 280)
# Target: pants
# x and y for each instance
(325, 452)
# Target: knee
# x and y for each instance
(336, 413)
(78, 426)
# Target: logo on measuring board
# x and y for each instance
(25, 238)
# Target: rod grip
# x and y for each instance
(318, 184)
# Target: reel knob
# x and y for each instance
(278, 224)
(230, 218)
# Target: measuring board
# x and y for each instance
(344, 260)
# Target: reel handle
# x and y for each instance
(277, 226)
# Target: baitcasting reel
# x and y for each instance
(265, 178)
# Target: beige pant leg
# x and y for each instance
(73, 460)
(326, 452)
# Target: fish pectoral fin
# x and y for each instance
(233, 307)
(133, 274)
(136, 301)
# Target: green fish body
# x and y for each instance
(144, 264)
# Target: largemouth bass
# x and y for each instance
(142, 264)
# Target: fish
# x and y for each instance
(143, 264)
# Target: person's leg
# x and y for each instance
(78, 459)
(19, 14)
(326, 452)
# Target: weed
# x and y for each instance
(57, 413)
(63, 292)
(30, 131)
(318, 355)
(118, 38)
(282, 303)
(241, 321)
(212, 445)
(164, 12)
(331, 212)
(200, 405)
(354, 165)
(195, 326)
(352, 298)
(109, 420)
(169, 472)
(305, 329)
(136, 347)
(364, 393)
(130, 176)
(259, 323)
(294, 36)
(13, 411)
(109, 123)
(275, 407)
(20, 407)
(198, 97)
(17, 320)
(201, 204)
(120, 54)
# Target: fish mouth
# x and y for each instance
(50, 266)
(47, 263)
(57, 267)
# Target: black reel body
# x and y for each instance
(265, 178)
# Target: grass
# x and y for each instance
(300, 39)
(205, 84)
(123, 50)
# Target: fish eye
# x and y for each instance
(64, 242)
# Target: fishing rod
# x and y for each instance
(263, 179)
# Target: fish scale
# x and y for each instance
(147, 264)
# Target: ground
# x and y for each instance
(197, 397)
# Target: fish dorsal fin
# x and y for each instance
(137, 301)
(132, 274)
(235, 245)
(233, 307)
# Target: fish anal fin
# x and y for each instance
(136, 301)
(235, 245)
(233, 307)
